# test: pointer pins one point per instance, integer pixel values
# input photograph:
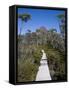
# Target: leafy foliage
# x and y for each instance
(24, 17)
(61, 18)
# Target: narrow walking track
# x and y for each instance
(43, 72)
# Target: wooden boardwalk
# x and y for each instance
(43, 72)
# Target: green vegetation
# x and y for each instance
(27, 71)
(24, 18)
(29, 51)
(56, 62)
(61, 17)
(28, 64)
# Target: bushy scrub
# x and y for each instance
(56, 64)
(27, 71)
(29, 63)
(37, 56)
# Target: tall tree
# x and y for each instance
(24, 18)
(61, 18)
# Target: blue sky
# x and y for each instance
(39, 18)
